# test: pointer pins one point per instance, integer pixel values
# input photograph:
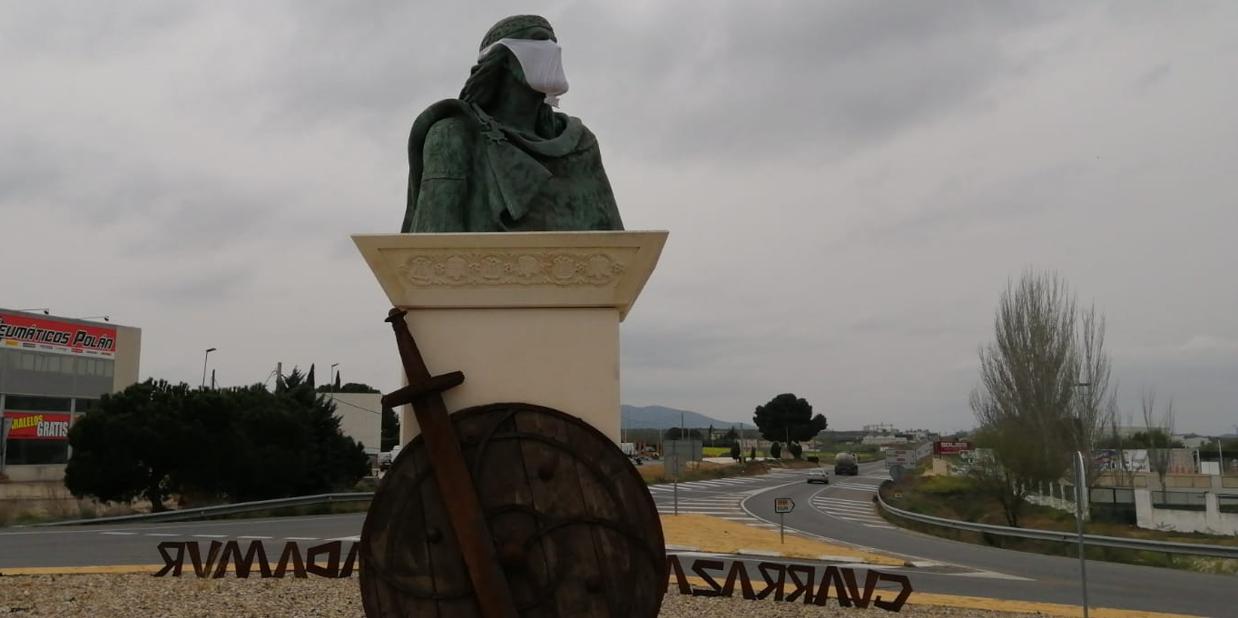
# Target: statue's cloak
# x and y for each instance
(501, 179)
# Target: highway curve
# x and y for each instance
(843, 511)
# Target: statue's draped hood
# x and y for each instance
(512, 27)
(512, 158)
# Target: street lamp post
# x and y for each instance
(1081, 499)
(204, 359)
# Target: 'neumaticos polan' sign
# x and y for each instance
(44, 335)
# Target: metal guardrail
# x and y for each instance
(1060, 536)
(207, 512)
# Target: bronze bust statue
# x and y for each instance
(499, 158)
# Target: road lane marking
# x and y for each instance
(112, 533)
(843, 500)
(868, 508)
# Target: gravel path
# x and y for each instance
(142, 595)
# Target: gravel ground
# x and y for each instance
(142, 595)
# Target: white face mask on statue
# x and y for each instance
(542, 62)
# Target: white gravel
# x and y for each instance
(143, 595)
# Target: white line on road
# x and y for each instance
(119, 533)
(841, 500)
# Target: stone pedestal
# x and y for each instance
(528, 317)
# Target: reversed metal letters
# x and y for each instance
(790, 583)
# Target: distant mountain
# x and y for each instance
(660, 417)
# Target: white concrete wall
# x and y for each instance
(360, 417)
(1210, 521)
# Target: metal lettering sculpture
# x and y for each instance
(721, 578)
(507, 509)
(214, 564)
(499, 158)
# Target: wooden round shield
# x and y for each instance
(574, 527)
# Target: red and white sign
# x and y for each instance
(944, 447)
(47, 335)
(38, 426)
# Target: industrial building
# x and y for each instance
(53, 369)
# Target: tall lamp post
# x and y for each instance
(1081, 498)
(204, 359)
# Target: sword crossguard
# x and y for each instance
(410, 393)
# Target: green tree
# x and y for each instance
(390, 430)
(334, 460)
(154, 439)
(130, 446)
(349, 387)
(790, 418)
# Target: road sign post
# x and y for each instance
(782, 506)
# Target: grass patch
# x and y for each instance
(956, 498)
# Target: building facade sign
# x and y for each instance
(47, 335)
(946, 447)
(37, 426)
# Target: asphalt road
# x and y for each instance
(841, 511)
(136, 543)
(844, 511)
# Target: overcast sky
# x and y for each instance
(848, 185)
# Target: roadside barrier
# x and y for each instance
(208, 512)
(1062, 536)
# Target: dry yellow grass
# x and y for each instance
(722, 536)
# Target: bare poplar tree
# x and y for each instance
(1096, 405)
(1122, 476)
(1160, 431)
(1028, 378)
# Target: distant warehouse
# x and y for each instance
(53, 369)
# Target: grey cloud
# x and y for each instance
(845, 192)
(817, 80)
(199, 282)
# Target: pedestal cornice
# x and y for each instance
(513, 270)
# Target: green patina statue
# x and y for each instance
(499, 159)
